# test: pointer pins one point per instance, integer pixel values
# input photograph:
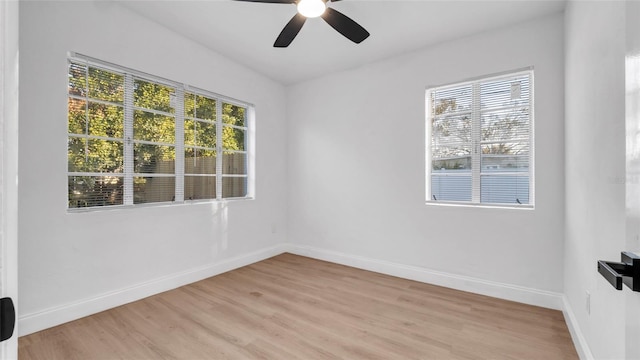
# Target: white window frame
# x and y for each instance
(476, 113)
(179, 145)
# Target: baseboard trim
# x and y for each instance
(579, 341)
(30, 323)
(33, 322)
(546, 299)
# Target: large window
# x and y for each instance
(136, 139)
(480, 136)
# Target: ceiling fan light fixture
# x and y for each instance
(311, 8)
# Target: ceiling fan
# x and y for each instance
(311, 9)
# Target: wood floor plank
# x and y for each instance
(293, 307)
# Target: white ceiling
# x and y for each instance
(245, 32)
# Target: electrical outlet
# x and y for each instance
(588, 303)
(274, 229)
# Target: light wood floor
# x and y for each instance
(292, 307)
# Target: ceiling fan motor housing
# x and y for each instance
(314, 8)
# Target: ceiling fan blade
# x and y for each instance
(290, 31)
(271, 1)
(345, 26)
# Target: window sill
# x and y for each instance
(474, 205)
(153, 205)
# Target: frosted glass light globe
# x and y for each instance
(311, 8)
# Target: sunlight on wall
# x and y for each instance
(632, 104)
(632, 186)
(220, 227)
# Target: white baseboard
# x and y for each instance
(30, 323)
(546, 299)
(579, 341)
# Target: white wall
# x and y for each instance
(357, 164)
(74, 263)
(632, 160)
(595, 168)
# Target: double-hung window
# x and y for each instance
(135, 139)
(480, 141)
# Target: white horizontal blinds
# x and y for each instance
(128, 139)
(475, 150)
(200, 154)
(154, 136)
(234, 150)
(95, 150)
(481, 148)
(451, 143)
(135, 139)
(179, 104)
(505, 139)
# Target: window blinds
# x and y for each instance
(135, 139)
(481, 140)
